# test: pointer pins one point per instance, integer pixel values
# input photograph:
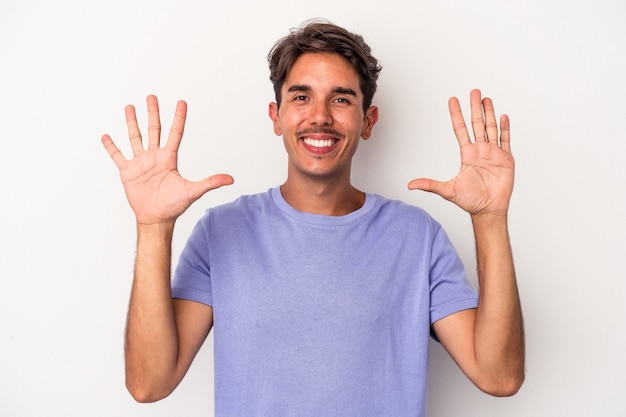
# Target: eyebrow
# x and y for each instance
(344, 90)
(336, 90)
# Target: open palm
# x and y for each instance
(484, 183)
(156, 191)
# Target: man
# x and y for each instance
(322, 296)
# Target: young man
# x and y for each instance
(322, 297)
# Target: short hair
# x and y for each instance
(324, 37)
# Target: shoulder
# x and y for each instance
(245, 204)
(246, 212)
(400, 212)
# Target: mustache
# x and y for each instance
(322, 130)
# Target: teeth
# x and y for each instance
(319, 143)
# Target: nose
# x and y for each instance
(320, 114)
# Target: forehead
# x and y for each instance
(319, 70)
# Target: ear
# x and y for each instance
(371, 117)
(273, 113)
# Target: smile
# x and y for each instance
(319, 143)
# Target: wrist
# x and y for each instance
(155, 230)
(490, 221)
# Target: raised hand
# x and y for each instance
(484, 183)
(156, 191)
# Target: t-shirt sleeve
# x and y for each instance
(192, 276)
(450, 291)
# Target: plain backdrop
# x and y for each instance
(67, 237)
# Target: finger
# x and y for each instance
(210, 183)
(458, 123)
(432, 186)
(178, 126)
(115, 154)
(154, 122)
(505, 133)
(133, 130)
(491, 126)
(478, 120)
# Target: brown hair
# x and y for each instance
(324, 37)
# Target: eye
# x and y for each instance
(342, 100)
(300, 98)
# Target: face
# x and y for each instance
(321, 116)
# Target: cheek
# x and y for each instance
(352, 121)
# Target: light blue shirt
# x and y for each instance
(321, 315)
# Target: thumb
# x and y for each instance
(201, 187)
(430, 185)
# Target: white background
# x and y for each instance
(68, 68)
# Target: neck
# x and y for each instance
(323, 198)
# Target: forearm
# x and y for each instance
(151, 347)
(499, 329)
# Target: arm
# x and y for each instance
(488, 342)
(162, 335)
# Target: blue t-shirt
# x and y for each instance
(321, 315)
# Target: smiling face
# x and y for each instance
(321, 117)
